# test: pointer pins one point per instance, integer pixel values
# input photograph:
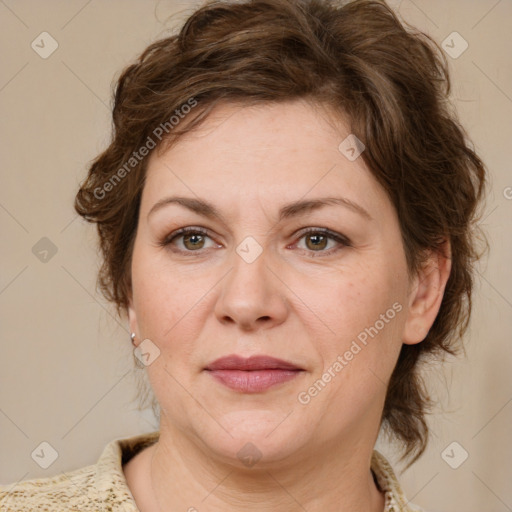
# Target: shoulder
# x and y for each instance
(74, 489)
(100, 486)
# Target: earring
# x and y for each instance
(138, 363)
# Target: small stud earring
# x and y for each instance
(133, 338)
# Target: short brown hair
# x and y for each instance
(389, 80)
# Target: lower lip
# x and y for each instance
(253, 381)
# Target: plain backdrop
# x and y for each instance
(66, 367)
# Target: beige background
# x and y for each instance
(66, 368)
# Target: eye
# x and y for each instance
(317, 240)
(193, 240)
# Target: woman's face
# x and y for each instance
(260, 279)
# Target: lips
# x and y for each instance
(252, 363)
(254, 374)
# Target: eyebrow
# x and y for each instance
(290, 210)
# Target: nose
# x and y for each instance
(252, 295)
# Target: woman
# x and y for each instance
(286, 217)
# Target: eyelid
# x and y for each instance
(183, 231)
(327, 232)
(333, 235)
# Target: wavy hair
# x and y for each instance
(389, 80)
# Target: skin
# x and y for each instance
(198, 299)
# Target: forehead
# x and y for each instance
(268, 153)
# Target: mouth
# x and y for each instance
(254, 374)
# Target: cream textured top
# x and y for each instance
(102, 487)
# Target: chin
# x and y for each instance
(256, 438)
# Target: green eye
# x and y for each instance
(319, 240)
(193, 240)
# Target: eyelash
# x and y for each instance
(344, 241)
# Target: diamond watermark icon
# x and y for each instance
(455, 45)
(44, 455)
(454, 455)
(147, 352)
(44, 250)
(249, 249)
(249, 454)
(351, 147)
(44, 45)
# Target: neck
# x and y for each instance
(333, 479)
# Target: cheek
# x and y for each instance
(363, 309)
(354, 299)
(161, 296)
(356, 361)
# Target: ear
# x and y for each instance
(426, 295)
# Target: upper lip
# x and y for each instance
(262, 362)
